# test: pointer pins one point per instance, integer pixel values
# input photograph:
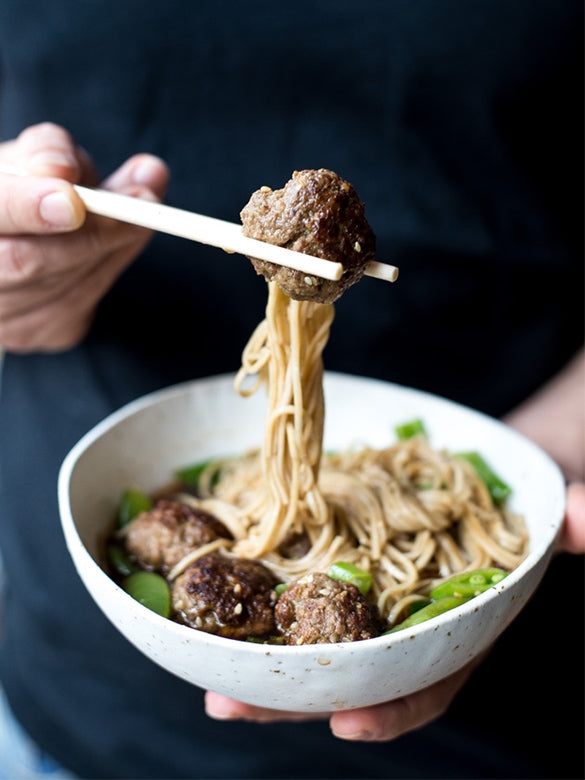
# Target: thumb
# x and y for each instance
(572, 538)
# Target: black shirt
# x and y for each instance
(459, 125)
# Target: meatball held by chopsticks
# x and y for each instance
(316, 213)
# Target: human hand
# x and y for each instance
(572, 538)
(380, 723)
(554, 418)
(56, 261)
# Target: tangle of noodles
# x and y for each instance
(408, 514)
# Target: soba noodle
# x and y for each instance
(408, 514)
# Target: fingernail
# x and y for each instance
(50, 159)
(145, 172)
(215, 710)
(57, 210)
(136, 191)
(361, 736)
(219, 715)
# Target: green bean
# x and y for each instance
(119, 561)
(469, 583)
(498, 489)
(269, 640)
(349, 572)
(151, 590)
(191, 475)
(409, 429)
(132, 503)
(418, 605)
(431, 610)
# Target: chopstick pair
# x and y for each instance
(207, 230)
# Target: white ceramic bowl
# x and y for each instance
(143, 443)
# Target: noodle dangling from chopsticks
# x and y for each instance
(286, 354)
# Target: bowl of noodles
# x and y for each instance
(410, 512)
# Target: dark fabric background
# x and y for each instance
(460, 126)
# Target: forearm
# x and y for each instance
(554, 418)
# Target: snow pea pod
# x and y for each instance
(411, 428)
(191, 475)
(468, 584)
(119, 561)
(132, 503)
(280, 588)
(432, 610)
(498, 489)
(151, 590)
(349, 572)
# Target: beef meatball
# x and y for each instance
(316, 213)
(317, 609)
(231, 597)
(160, 538)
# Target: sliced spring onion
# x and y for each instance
(151, 590)
(498, 489)
(132, 503)
(349, 572)
(411, 428)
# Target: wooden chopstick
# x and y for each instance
(383, 271)
(207, 230)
